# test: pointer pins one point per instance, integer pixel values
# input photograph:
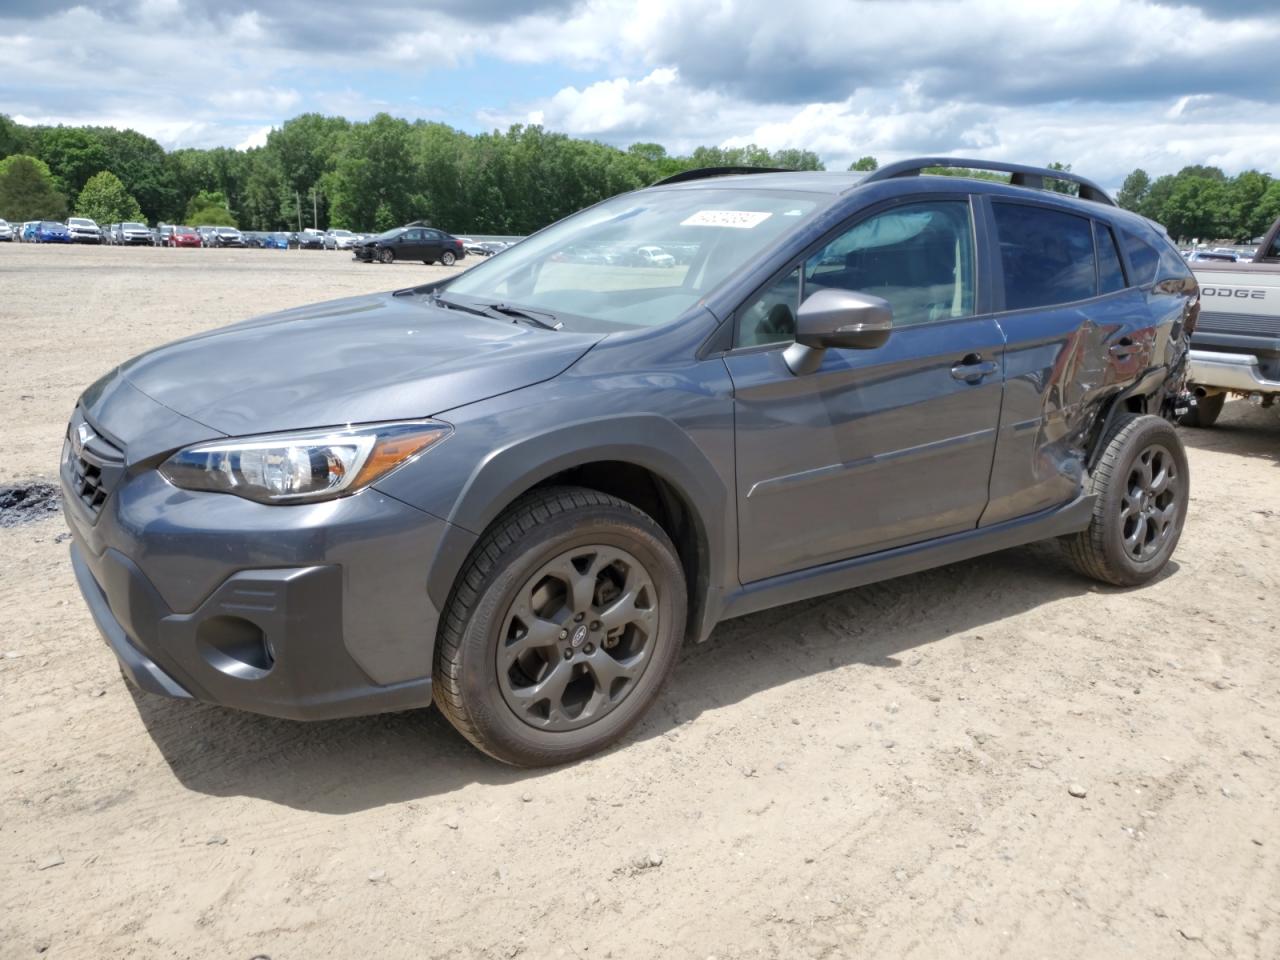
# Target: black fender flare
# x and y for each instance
(651, 442)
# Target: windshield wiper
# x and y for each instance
(500, 311)
(524, 313)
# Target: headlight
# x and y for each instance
(302, 467)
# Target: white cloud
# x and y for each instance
(1103, 84)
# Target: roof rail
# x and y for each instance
(705, 173)
(1022, 176)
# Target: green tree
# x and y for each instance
(73, 154)
(141, 165)
(1198, 207)
(209, 208)
(27, 190)
(1134, 190)
(865, 164)
(374, 183)
(105, 200)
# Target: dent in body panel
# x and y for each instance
(1062, 365)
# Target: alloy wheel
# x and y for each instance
(1150, 504)
(577, 637)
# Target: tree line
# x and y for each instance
(329, 172)
(319, 171)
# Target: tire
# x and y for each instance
(447, 258)
(387, 255)
(1204, 413)
(513, 630)
(1141, 488)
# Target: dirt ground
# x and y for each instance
(880, 773)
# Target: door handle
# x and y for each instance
(973, 369)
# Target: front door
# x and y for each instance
(878, 448)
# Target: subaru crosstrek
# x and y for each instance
(518, 490)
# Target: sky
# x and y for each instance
(1105, 85)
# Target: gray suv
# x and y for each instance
(519, 490)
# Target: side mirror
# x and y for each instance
(837, 318)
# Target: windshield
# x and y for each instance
(50, 224)
(134, 226)
(640, 259)
(391, 233)
(80, 222)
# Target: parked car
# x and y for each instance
(411, 243)
(6, 231)
(84, 230)
(339, 240)
(309, 240)
(275, 241)
(50, 231)
(134, 235)
(226, 237)
(1210, 256)
(485, 248)
(29, 229)
(183, 236)
(207, 236)
(163, 232)
(542, 486)
(1235, 347)
(654, 257)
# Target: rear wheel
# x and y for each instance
(561, 628)
(387, 255)
(1140, 486)
(447, 258)
(1204, 412)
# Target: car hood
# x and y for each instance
(359, 360)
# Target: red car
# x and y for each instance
(184, 237)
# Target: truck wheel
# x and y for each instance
(1204, 413)
(561, 628)
(1140, 488)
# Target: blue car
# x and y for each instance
(275, 241)
(29, 231)
(50, 231)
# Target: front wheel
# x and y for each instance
(1204, 412)
(447, 258)
(387, 256)
(561, 629)
(1141, 489)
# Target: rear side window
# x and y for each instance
(1047, 256)
(1144, 259)
(1110, 270)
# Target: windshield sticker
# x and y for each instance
(735, 219)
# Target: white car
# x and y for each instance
(339, 240)
(6, 231)
(84, 230)
(655, 257)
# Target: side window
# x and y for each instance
(918, 256)
(771, 317)
(1144, 259)
(1110, 270)
(1046, 255)
(1275, 247)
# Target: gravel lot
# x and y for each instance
(880, 773)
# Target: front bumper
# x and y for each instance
(1230, 371)
(304, 612)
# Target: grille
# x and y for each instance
(1241, 323)
(94, 465)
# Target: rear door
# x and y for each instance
(877, 448)
(1076, 330)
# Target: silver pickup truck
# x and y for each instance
(1235, 347)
